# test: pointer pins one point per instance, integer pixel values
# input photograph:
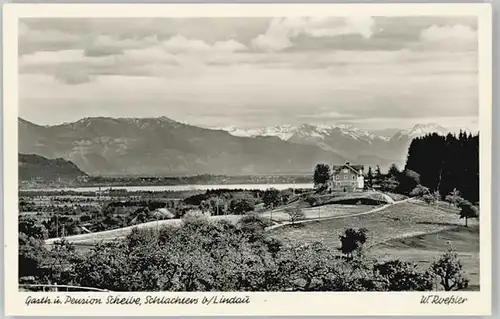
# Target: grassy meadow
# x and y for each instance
(410, 230)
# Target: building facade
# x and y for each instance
(347, 177)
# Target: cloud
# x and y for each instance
(288, 70)
(72, 77)
(456, 32)
(180, 44)
(281, 31)
(229, 46)
(32, 40)
(104, 45)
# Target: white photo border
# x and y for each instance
(262, 303)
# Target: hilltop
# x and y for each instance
(33, 166)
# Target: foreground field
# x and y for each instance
(395, 221)
(423, 249)
(410, 230)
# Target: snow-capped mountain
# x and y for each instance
(420, 130)
(346, 140)
(285, 132)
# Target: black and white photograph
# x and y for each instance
(274, 153)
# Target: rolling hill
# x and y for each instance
(32, 166)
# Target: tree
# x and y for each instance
(434, 157)
(378, 176)
(449, 270)
(322, 175)
(205, 206)
(431, 198)
(240, 206)
(467, 210)
(393, 171)
(389, 184)
(218, 205)
(295, 214)
(369, 178)
(60, 262)
(454, 198)
(271, 197)
(352, 240)
(31, 228)
(112, 260)
(286, 195)
(32, 253)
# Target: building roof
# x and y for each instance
(354, 168)
(163, 213)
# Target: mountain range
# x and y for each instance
(162, 146)
(359, 145)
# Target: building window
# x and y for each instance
(353, 177)
(345, 176)
(337, 177)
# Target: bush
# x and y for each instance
(397, 275)
(219, 256)
(194, 215)
(408, 180)
(419, 191)
(254, 223)
(431, 198)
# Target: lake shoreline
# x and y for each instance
(174, 188)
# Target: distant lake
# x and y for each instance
(178, 188)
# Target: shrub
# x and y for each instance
(194, 215)
(419, 191)
(397, 275)
(254, 223)
(408, 181)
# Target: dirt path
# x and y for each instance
(372, 211)
(121, 232)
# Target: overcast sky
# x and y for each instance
(372, 72)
